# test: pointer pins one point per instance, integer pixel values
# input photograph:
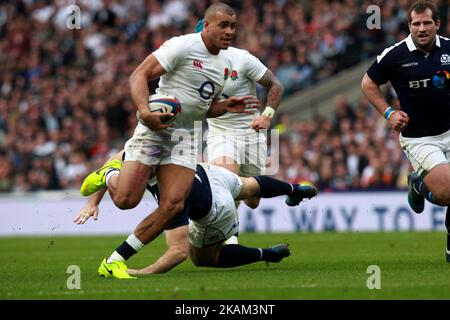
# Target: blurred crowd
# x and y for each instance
(355, 149)
(64, 94)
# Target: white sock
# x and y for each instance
(110, 173)
(134, 242)
(115, 257)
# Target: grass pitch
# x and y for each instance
(322, 266)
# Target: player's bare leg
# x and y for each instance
(267, 187)
(435, 187)
(126, 181)
(438, 183)
(250, 187)
(227, 163)
(175, 183)
(253, 202)
(128, 187)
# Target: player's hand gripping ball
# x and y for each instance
(163, 104)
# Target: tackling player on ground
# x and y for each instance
(211, 208)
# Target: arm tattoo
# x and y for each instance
(274, 88)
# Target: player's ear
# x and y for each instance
(205, 24)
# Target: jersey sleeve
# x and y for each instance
(171, 53)
(255, 68)
(381, 69)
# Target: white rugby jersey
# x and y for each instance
(241, 81)
(194, 76)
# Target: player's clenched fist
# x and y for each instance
(399, 120)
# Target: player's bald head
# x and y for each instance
(219, 27)
(210, 13)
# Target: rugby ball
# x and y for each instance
(164, 104)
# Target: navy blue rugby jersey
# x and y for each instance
(198, 203)
(422, 84)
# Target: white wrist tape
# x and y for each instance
(268, 112)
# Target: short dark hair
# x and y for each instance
(216, 7)
(422, 6)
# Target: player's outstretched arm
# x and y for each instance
(177, 252)
(250, 188)
(91, 207)
(244, 104)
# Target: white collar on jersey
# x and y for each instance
(412, 46)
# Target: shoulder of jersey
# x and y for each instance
(392, 49)
(188, 38)
(192, 35)
(236, 51)
(444, 39)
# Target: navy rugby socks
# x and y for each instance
(234, 255)
(420, 188)
(270, 187)
(127, 249)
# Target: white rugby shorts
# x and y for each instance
(221, 222)
(426, 152)
(154, 148)
(248, 150)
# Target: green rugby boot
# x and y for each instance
(114, 269)
(97, 179)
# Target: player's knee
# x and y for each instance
(126, 202)
(442, 196)
(252, 203)
(445, 198)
